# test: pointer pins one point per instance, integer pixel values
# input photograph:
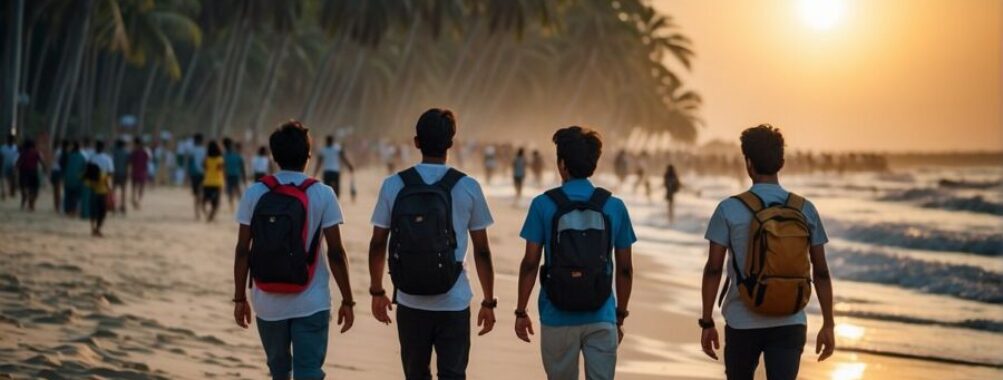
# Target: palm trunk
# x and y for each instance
(343, 99)
(39, 72)
(150, 78)
(165, 108)
(270, 79)
(189, 73)
(58, 121)
(116, 93)
(579, 87)
(224, 73)
(321, 77)
(234, 98)
(471, 36)
(15, 84)
(402, 99)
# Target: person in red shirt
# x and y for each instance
(27, 164)
(139, 164)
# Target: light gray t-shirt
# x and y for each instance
(729, 226)
(324, 212)
(470, 213)
(331, 158)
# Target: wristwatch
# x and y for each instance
(706, 323)
(521, 314)
(377, 293)
(490, 304)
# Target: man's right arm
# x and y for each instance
(527, 279)
(377, 264)
(708, 290)
(241, 267)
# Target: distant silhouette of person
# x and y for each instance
(641, 170)
(672, 186)
(519, 172)
(490, 163)
(536, 165)
(621, 166)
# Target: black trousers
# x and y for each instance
(781, 348)
(448, 332)
(333, 179)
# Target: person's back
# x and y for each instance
(750, 333)
(429, 317)
(298, 318)
(233, 163)
(579, 312)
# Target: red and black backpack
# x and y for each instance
(280, 260)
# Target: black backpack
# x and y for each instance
(280, 262)
(576, 276)
(422, 240)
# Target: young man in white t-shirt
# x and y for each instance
(439, 321)
(294, 326)
(331, 158)
(748, 335)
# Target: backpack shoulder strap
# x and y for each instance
(411, 177)
(751, 201)
(269, 181)
(794, 201)
(306, 184)
(599, 198)
(450, 179)
(560, 199)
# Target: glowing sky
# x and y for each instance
(897, 75)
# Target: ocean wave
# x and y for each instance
(938, 199)
(960, 281)
(971, 324)
(920, 237)
(963, 184)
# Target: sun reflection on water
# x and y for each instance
(849, 331)
(849, 371)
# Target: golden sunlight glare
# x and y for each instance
(821, 14)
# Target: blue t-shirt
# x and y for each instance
(233, 164)
(729, 227)
(537, 230)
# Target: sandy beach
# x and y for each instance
(151, 300)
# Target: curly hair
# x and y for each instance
(580, 149)
(763, 145)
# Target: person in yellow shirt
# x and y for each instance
(98, 181)
(213, 181)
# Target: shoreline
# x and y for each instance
(151, 300)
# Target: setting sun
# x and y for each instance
(821, 14)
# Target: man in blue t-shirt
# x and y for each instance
(566, 335)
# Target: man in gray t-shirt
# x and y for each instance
(780, 339)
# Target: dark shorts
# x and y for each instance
(196, 183)
(232, 184)
(780, 348)
(210, 194)
(518, 180)
(56, 177)
(333, 179)
(29, 181)
(71, 198)
(119, 179)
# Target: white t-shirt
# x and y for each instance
(103, 161)
(331, 158)
(259, 164)
(324, 212)
(470, 213)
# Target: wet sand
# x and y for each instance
(152, 300)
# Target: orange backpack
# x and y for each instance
(776, 280)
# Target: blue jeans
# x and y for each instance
(306, 336)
